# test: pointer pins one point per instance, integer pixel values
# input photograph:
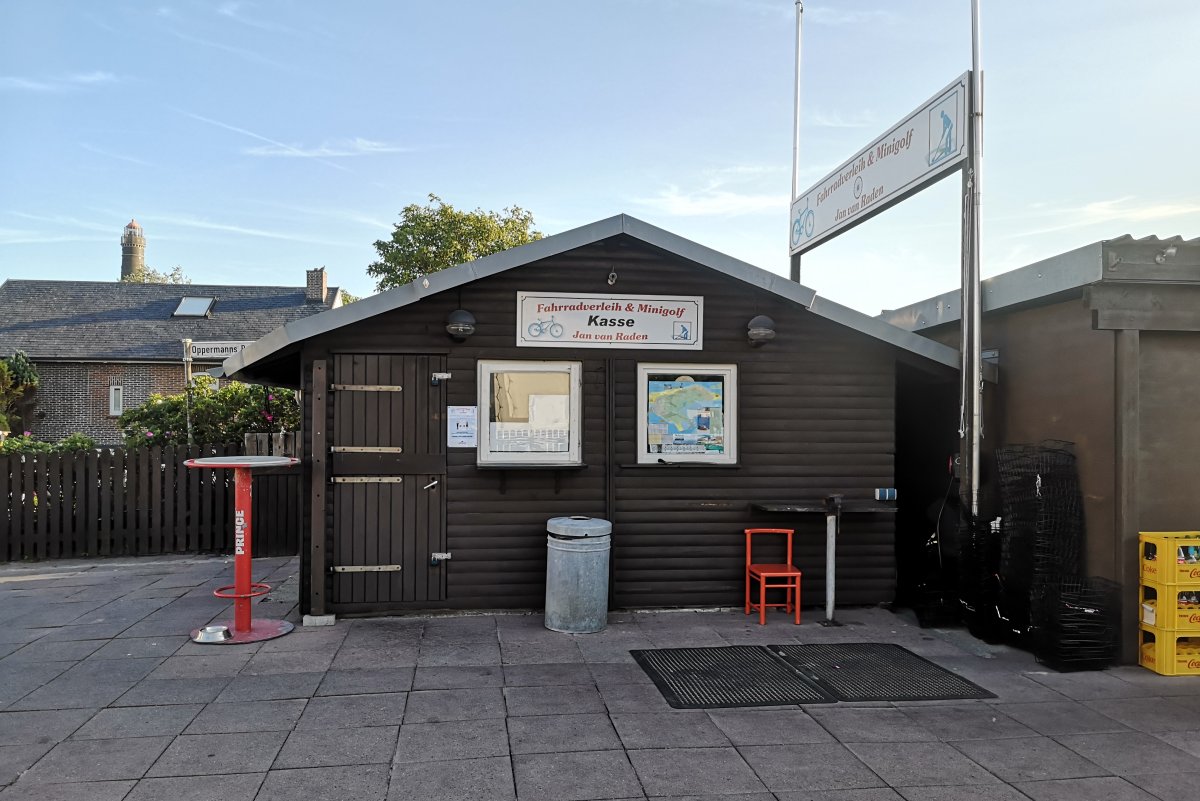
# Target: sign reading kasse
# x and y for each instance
(652, 322)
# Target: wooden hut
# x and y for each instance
(615, 370)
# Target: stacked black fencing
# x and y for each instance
(1022, 579)
(1076, 623)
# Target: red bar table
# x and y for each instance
(244, 588)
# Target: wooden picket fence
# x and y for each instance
(136, 502)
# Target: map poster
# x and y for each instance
(685, 417)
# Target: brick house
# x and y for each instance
(101, 347)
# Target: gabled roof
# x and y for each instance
(286, 339)
(1062, 277)
(113, 321)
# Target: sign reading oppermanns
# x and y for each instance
(653, 322)
(216, 351)
(921, 148)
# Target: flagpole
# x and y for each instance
(972, 311)
(795, 267)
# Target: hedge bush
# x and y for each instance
(219, 414)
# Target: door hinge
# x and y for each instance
(366, 568)
(366, 388)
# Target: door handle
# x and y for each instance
(430, 484)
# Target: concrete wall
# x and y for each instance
(1057, 381)
(1169, 432)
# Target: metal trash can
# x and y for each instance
(577, 551)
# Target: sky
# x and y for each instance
(255, 140)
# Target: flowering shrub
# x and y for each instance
(219, 414)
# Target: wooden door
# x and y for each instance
(388, 465)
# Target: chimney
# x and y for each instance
(317, 286)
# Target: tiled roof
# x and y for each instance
(100, 320)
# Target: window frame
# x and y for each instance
(729, 413)
(485, 457)
(116, 400)
(195, 301)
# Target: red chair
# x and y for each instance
(772, 576)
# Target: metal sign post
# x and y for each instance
(972, 313)
(795, 272)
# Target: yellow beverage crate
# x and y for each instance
(1170, 557)
(1172, 607)
(1169, 652)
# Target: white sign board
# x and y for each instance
(653, 322)
(216, 351)
(914, 153)
(461, 426)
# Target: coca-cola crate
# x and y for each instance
(1170, 557)
(1171, 606)
(1169, 653)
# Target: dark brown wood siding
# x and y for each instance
(816, 416)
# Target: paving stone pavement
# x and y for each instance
(103, 697)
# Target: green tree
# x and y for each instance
(18, 380)
(149, 275)
(218, 414)
(436, 236)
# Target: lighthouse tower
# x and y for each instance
(133, 250)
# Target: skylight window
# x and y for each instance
(194, 307)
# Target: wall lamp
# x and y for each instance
(760, 329)
(1167, 253)
(460, 324)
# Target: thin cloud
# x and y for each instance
(20, 84)
(1101, 212)
(94, 77)
(118, 156)
(61, 84)
(835, 119)
(772, 8)
(13, 236)
(208, 225)
(249, 55)
(344, 148)
(233, 11)
(349, 215)
(712, 201)
(99, 23)
(64, 221)
(282, 146)
(828, 15)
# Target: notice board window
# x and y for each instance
(529, 413)
(687, 413)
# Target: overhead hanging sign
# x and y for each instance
(561, 320)
(217, 350)
(916, 152)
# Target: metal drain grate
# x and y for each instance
(732, 676)
(865, 671)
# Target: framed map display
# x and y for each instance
(687, 413)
